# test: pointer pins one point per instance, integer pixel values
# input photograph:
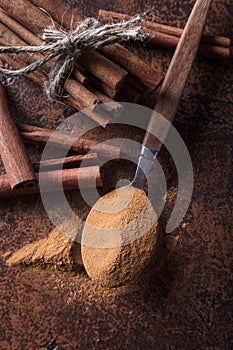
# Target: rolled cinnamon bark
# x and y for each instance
(100, 118)
(14, 156)
(167, 36)
(105, 15)
(67, 163)
(110, 106)
(170, 42)
(59, 12)
(101, 71)
(131, 93)
(132, 80)
(162, 28)
(148, 76)
(52, 180)
(25, 13)
(40, 136)
(112, 93)
(38, 77)
(80, 76)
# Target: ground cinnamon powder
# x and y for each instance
(125, 262)
(57, 250)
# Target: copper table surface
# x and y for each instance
(188, 305)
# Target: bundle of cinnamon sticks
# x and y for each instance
(112, 74)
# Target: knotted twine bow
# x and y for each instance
(88, 35)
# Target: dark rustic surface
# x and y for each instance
(186, 306)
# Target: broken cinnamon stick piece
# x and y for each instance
(14, 156)
(52, 180)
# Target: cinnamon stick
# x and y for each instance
(51, 181)
(170, 42)
(114, 80)
(127, 89)
(147, 75)
(80, 76)
(40, 136)
(66, 163)
(162, 28)
(112, 93)
(110, 106)
(37, 77)
(132, 80)
(167, 36)
(24, 12)
(61, 13)
(100, 119)
(14, 156)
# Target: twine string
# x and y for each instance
(67, 47)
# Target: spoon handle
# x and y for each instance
(177, 75)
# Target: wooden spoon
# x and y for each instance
(113, 266)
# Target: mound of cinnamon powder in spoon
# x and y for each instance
(119, 237)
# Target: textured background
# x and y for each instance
(188, 304)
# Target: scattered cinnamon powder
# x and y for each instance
(57, 250)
